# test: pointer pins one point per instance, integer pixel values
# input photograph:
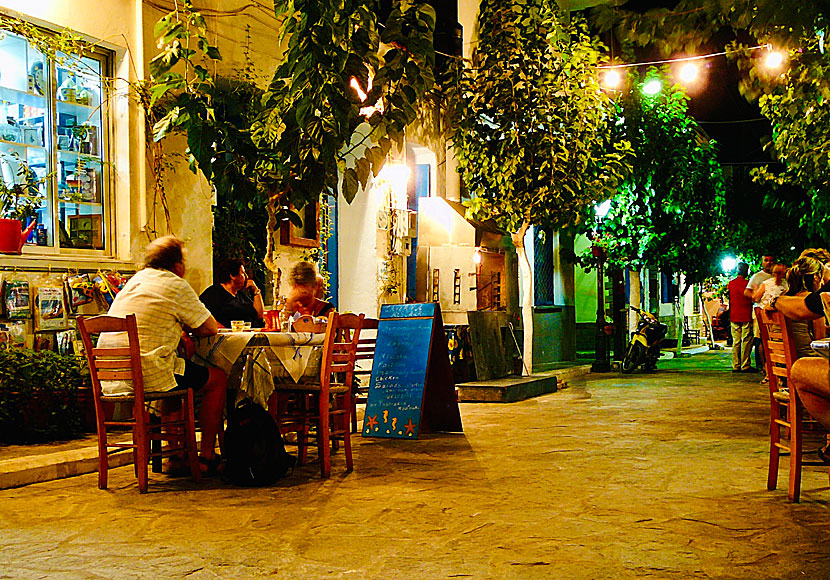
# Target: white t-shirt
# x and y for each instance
(162, 303)
(757, 279)
(772, 290)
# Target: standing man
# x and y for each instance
(740, 316)
(758, 278)
(165, 306)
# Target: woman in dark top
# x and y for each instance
(234, 296)
(305, 287)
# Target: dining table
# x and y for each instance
(254, 359)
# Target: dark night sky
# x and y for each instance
(718, 106)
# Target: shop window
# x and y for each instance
(52, 121)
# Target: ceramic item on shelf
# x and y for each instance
(37, 82)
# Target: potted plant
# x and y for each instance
(39, 394)
(19, 202)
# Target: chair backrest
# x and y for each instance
(368, 342)
(779, 347)
(113, 363)
(340, 347)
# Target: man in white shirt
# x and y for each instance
(755, 282)
(166, 307)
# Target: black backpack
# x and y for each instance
(254, 450)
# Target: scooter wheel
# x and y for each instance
(633, 358)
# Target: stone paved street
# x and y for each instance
(646, 476)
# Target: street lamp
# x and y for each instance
(601, 363)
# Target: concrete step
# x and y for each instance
(517, 388)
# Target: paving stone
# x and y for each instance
(659, 475)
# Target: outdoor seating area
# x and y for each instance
(485, 289)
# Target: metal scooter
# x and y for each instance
(644, 347)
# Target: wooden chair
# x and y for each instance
(786, 409)
(363, 366)
(327, 404)
(124, 363)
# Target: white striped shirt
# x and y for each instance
(162, 303)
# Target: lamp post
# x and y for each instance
(601, 363)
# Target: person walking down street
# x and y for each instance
(740, 315)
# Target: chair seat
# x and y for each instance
(148, 396)
(309, 387)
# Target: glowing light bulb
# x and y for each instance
(477, 256)
(652, 87)
(688, 73)
(728, 264)
(612, 79)
(774, 59)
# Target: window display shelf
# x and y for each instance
(65, 202)
(17, 144)
(70, 155)
(21, 97)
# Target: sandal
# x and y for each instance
(210, 465)
(824, 454)
(176, 467)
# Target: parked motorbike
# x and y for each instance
(644, 347)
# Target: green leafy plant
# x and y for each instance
(22, 199)
(38, 395)
(669, 213)
(313, 126)
(535, 134)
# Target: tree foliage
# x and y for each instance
(669, 214)
(303, 137)
(534, 136)
(795, 101)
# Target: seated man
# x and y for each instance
(165, 305)
(234, 296)
(810, 376)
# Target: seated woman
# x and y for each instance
(234, 296)
(303, 295)
(805, 276)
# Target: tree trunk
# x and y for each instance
(635, 299)
(526, 284)
(678, 320)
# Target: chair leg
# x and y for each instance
(190, 437)
(103, 459)
(142, 449)
(774, 450)
(155, 444)
(354, 413)
(324, 434)
(795, 453)
(348, 406)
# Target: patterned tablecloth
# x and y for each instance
(253, 359)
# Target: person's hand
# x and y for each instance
(251, 287)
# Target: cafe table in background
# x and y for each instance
(252, 359)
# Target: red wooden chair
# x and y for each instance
(325, 405)
(124, 363)
(363, 366)
(786, 409)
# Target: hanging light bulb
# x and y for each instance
(689, 73)
(774, 59)
(612, 79)
(652, 87)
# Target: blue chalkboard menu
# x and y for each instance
(411, 388)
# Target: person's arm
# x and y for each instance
(795, 307)
(256, 294)
(758, 294)
(749, 291)
(208, 328)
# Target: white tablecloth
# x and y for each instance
(253, 359)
